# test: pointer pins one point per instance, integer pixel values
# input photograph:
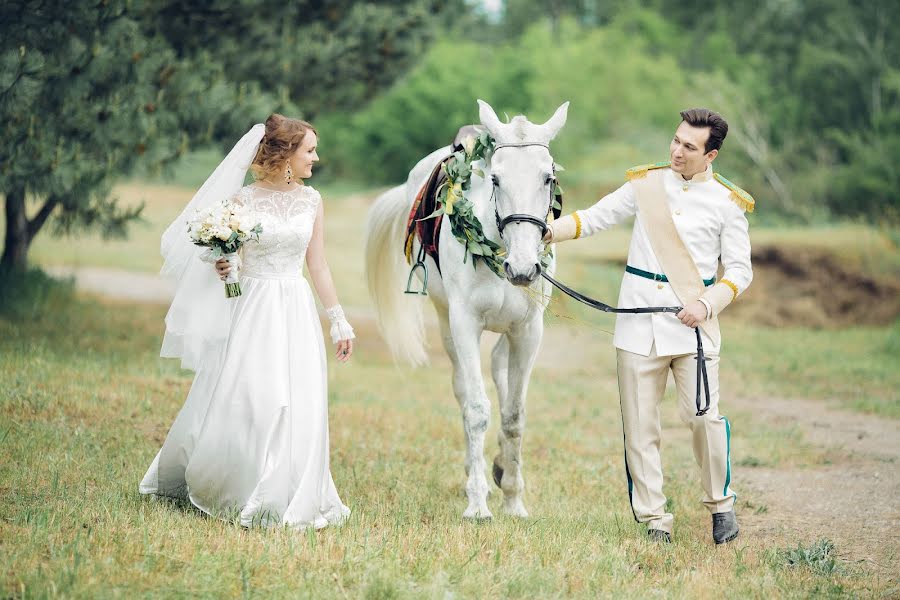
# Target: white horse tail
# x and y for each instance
(400, 317)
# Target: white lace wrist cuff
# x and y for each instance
(340, 328)
(335, 313)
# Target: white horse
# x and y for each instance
(517, 181)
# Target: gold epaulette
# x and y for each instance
(641, 171)
(738, 196)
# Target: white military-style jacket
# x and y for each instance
(708, 212)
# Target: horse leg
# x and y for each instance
(450, 349)
(521, 354)
(466, 332)
(500, 374)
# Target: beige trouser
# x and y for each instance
(642, 382)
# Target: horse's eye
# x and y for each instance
(495, 180)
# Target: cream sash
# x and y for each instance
(671, 253)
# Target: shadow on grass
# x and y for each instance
(29, 294)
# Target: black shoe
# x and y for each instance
(660, 536)
(724, 527)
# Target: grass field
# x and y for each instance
(85, 403)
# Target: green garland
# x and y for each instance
(453, 202)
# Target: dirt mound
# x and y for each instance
(813, 288)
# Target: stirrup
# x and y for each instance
(420, 264)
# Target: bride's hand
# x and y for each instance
(223, 268)
(344, 350)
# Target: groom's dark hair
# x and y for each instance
(703, 117)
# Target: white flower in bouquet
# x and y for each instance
(223, 230)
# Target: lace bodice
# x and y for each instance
(287, 220)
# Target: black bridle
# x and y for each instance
(702, 377)
(523, 217)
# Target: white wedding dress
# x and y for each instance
(251, 441)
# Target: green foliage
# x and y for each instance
(85, 95)
(452, 202)
(623, 99)
(89, 91)
(822, 93)
(424, 110)
(818, 557)
(811, 90)
(310, 56)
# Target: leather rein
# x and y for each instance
(702, 377)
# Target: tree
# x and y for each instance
(84, 95)
(89, 90)
(325, 56)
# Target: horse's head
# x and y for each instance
(523, 176)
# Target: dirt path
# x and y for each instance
(854, 500)
(117, 283)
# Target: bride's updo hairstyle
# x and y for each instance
(283, 135)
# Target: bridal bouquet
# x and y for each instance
(223, 229)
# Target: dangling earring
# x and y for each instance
(288, 173)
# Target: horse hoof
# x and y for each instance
(478, 514)
(515, 509)
(497, 471)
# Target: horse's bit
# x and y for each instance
(702, 377)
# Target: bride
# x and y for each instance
(251, 442)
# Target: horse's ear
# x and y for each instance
(556, 122)
(488, 117)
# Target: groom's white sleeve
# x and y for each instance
(610, 210)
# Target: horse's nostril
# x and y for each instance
(506, 268)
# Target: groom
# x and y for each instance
(687, 218)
